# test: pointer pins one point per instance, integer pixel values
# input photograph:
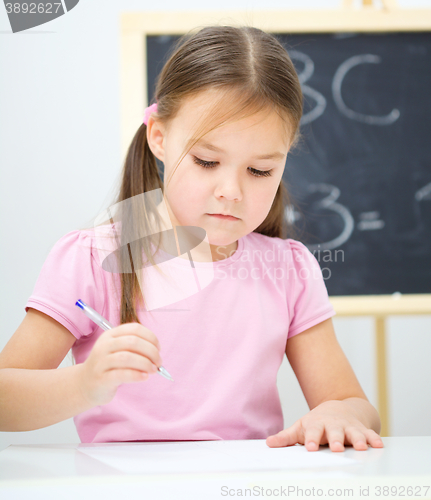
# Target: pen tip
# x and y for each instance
(165, 373)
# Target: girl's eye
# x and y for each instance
(260, 173)
(212, 164)
(203, 163)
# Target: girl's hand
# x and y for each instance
(332, 422)
(127, 353)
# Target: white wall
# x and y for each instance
(60, 160)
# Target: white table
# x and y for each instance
(71, 471)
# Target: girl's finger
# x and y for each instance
(136, 329)
(313, 436)
(135, 344)
(286, 437)
(356, 438)
(373, 438)
(124, 375)
(129, 360)
(335, 437)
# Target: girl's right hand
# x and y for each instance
(127, 353)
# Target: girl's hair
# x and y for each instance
(245, 70)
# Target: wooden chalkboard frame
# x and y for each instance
(136, 26)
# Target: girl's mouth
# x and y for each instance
(225, 217)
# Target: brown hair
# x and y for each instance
(250, 71)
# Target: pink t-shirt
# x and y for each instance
(223, 344)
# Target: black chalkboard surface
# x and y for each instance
(360, 179)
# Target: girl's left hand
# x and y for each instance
(331, 422)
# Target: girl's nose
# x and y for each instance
(229, 187)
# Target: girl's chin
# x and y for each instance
(220, 241)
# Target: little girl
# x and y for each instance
(227, 112)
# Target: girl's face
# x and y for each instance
(235, 169)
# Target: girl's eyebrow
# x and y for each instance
(270, 156)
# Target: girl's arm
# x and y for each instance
(33, 393)
(340, 412)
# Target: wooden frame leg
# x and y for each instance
(382, 385)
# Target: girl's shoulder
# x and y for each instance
(288, 249)
(85, 243)
(71, 271)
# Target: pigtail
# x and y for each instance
(140, 174)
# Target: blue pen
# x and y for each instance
(106, 325)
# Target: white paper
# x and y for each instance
(210, 456)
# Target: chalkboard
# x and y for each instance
(360, 179)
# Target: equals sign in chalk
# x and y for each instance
(369, 221)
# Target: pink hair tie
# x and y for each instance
(148, 111)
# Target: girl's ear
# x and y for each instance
(155, 137)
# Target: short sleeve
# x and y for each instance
(307, 296)
(69, 273)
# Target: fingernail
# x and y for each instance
(311, 444)
(337, 443)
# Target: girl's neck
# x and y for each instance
(223, 252)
